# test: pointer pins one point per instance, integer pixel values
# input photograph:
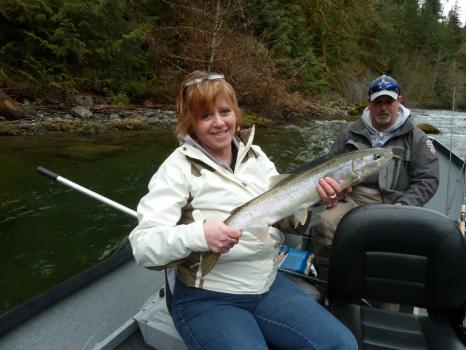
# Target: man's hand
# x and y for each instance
(330, 191)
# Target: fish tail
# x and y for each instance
(209, 259)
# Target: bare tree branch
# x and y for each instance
(214, 43)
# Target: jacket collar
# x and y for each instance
(247, 135)
(242, 140)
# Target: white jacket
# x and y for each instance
(190, 187)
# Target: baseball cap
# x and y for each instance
(384, 85)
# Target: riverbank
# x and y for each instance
(87, 120)
(83, 117)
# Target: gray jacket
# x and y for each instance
(412, 177)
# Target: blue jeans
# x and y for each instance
(283, 318)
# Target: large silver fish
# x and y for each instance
(295, 193)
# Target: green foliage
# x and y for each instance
(275, 53)
(130, 124)
(76, 44)
(283, 29)
(120, 99)
(250, 119)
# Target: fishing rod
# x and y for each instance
(449, 203)
(75, 186)
(463, 217)
(447, 209)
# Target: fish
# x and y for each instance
(292, 194)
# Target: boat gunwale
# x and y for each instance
(39, 303)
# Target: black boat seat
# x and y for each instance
(405, 255)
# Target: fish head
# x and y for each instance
(370, 161)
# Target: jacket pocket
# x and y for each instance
(395, 176)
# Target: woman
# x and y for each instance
(241, 303)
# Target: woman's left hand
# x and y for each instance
(330, 191)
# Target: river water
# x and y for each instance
(452, 126)
(49, 232)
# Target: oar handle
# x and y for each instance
(86, 191)
(47, 172)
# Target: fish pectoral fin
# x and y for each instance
(300, 217)
(274, 180)
(307, 205)
(260, 232)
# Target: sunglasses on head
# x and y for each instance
(200, 80)
(385, 83)
(389, 86)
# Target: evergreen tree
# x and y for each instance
(283, 29)
(275, 52)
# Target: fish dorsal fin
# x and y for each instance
(274, 180)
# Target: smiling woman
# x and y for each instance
(222, 275)
(210, 113)
(215, 130)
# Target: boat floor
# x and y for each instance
(118, 295)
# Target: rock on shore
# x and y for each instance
(87, 119)
(9, 109)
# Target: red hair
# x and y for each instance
(196, 99)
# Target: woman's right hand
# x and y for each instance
(220, 237)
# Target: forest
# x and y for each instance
(283, 57)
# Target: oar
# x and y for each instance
(86, 191)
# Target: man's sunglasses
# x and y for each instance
(384, 85)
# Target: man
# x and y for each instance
(410, 179)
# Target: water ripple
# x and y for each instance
(44, 268)
(452, 126)
(15, 213)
